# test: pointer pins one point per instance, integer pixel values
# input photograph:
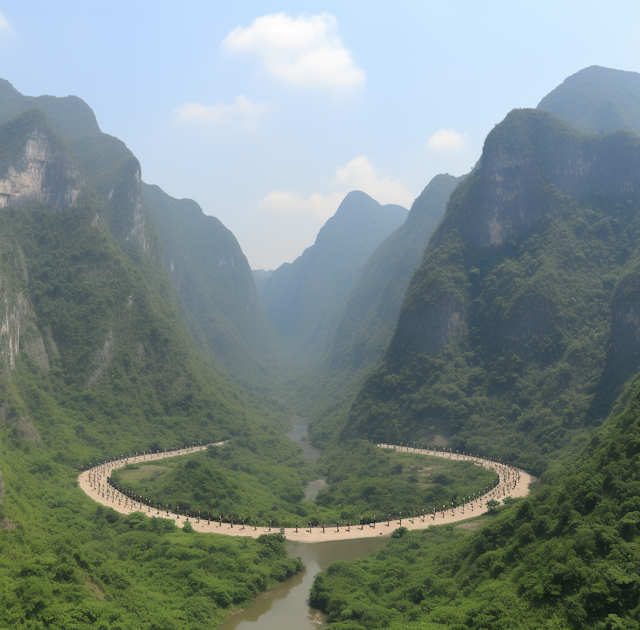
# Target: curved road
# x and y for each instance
(512, 482)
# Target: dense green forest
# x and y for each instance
(67, 562)
(96, 362)
(565, 557)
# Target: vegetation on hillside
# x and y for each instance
(304, 299)
(506, 350)
(67, 562)
(565, 557)
(597, 100)
(212, 276)
(96, 362)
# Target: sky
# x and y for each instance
(268, 113)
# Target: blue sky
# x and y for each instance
(268, 113)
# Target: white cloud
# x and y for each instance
(358, 174)
(287, 203)
(446, 140)
(304, 51)
(4, 25)
(242, 111)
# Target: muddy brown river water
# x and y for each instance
(285, 605)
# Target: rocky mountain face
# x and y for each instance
(38, 166)
(304, 299)
(530, 159)
(507, 321)
(100, 356)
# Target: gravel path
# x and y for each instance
(513, 482)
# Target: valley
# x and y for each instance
(476, 355)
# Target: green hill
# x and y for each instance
(565, 557)
(304, 299)
(597, 100)
(96, 361)
(206, 264)
(503, 344)
(212, 276)
(70, 116)
(370, 314)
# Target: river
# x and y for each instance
(286, 605)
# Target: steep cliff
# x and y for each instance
(526, 161)
(36, 165)
(70, 116)
(370, 314)
(625, 321)
(104, 161)
(502, 340)
(204, 260)
(96, 362)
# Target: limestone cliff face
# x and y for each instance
(43, 173)
(625, 317)
(530, 159)
(432, 328)
(131, 183)
(19, 332)
(533, 164)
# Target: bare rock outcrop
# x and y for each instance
(44, 173)
(102, 361)
(11, 418)
(530, 161)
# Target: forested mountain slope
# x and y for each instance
(70, 116)
(565, 557)
(212, 276)
(95, 361)
(304, 299)
(597, 100)
(504, 340)
(206, 263)
(370, 314)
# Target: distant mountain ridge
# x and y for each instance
(597, 100)
(304, 299)
(371, 313)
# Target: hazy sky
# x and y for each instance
(268, 113)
